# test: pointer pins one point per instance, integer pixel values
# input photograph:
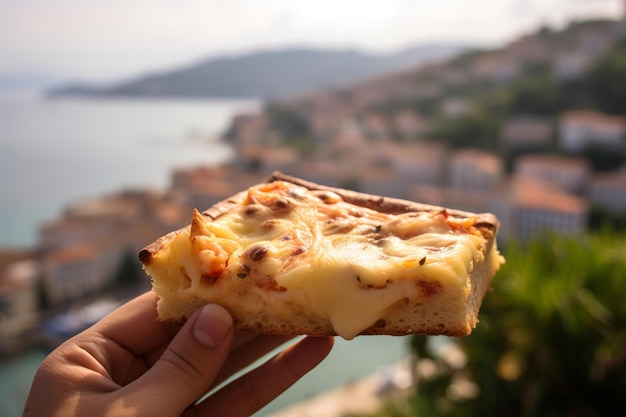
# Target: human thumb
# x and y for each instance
(190, 363)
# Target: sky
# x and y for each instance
(95, 40)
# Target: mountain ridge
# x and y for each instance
(266, 74)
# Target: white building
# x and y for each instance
(526, 132)
(579, 129)
(571, 65)
(497, 67)
(421, 163)
(608, 192)
(470, 169)
(455, 106)
(408, 124)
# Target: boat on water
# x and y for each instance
(58, 328)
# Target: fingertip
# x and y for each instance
(255, 389)
(212, 325)
(189, 365)
(310, 352)
(323, 344)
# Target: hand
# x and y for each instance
(129, 364)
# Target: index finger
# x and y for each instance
(135, 327)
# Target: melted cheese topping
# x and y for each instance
(345, 260)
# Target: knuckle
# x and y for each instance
(251, 395)
(182, 365)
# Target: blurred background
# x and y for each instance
(118, 118)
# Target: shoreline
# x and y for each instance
(362, 396)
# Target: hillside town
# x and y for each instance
(375, 137)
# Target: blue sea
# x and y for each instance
(53, 152)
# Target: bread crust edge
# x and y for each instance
(486, 223)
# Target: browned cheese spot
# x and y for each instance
(355, 212)
(208, 279)
(269, 283)
(145, 256)
(251, 210)
(298, 251)
(269, 224)
(380, 323)
(256, 253)
(430, 288)
(279, 204)
(339, 225)
(325, 197)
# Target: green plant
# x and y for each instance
(607, 81)
(551, 339)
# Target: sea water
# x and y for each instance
(349, 361)
(53, 152)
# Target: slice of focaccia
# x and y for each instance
(293, 257)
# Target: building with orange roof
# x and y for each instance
(408, 124)
(375, 126)
(19, 301)
(415, 163)
(456, 198)
(247, 128)
(537, 207)
(529, 49)
(201, 187)
(72, 272)
(81, 252)
(381, 181)
(497, 67)
(570, 173)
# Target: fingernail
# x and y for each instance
(212, 325)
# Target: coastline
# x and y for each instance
(363, 396)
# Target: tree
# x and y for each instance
(476, 129)
(607, 79)
(129, 272)
(551, 336)
(534, 95)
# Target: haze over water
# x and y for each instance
(54, 152)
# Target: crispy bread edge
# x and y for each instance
(487, 223)
(388, 205)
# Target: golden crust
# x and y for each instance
(487, 223)
(386, 205)
(397, 318)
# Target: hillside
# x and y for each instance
(266, 74)
(467, 100)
